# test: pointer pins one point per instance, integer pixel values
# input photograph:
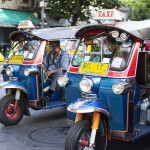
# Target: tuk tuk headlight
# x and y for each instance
(62, 80)
(26, 72)
(9, 70)
(31, 71)
(86, 85)
(121, 87)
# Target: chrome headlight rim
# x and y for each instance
(62, 80)
(118, 87)
(90, 85)
(9, 70)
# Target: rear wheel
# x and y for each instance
(8, 116)
(78, 137)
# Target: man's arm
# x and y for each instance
(53, 71)
(64, 63)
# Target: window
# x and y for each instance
(104, 49)
(25, 1)
(28, 49)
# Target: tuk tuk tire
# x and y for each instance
(9, 118)
(76, 131)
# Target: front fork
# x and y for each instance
(17, 97)
(94, 126)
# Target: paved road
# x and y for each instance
(46, 130)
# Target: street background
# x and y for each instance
(47, 129)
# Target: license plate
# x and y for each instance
(91, 68)
(16, 59)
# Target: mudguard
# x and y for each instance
(13, 85)
(88, 105)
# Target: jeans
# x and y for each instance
(54, 78)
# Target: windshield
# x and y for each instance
(28, 49)
(104, 49)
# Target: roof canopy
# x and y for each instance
(49, 34)
(138, 29)
(57, 33)
(14, 17)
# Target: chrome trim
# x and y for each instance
(13, 78)
(31, 71)
(87, 95)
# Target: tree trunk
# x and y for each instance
(74, 20)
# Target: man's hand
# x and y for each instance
(50, 72)
(45, 68)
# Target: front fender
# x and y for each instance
(88, 105)
(13, 85)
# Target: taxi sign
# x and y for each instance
(25, 24)
(16, 59)
(92, 68)
(108, 14)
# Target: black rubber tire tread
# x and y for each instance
(3, 103)
(75, 131)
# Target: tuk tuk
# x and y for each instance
(25, 79)
(109, 86)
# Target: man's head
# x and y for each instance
(55, 46)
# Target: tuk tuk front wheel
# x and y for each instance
(78, 137)
(9, 116)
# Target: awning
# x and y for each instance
(6, 25)
(14, 17)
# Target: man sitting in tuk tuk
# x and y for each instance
(57, 63)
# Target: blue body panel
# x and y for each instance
(30, 82)
(72, 92)
(116, 104)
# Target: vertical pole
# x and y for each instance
(36, 23)
(42, 14)
(132, 12)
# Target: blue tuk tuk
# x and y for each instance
(25, 79)
(109, 86)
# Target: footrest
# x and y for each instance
(140, 130)
(55, 104)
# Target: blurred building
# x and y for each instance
(11, 13)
